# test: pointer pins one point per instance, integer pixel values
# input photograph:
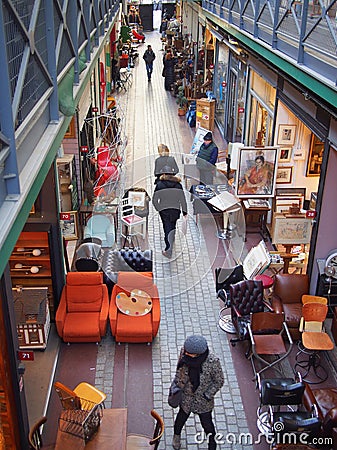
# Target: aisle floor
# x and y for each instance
(138, 376)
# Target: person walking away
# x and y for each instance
(164, 159)
(169, 200)
(206, 159)
(199, 374)
(149, 57)
(168, 70)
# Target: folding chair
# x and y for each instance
(267, 332)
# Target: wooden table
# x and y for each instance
(111, 434)
(256, 219)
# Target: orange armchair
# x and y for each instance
(82, 315)
(127, 328)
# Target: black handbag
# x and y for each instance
(175, 395)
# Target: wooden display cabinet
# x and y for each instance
(30, 264)
(66, 172)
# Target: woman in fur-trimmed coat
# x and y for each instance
(200, 376)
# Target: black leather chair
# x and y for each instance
(283, 399)
(246, 298)
(224, 277)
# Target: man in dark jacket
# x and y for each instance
(169, 200)
(149, 57)
(206, 159)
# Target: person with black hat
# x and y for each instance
(206, 159)
(169, 200)
(164, 159)
(199, 374)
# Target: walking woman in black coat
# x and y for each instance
(169, 200)
(168, 70)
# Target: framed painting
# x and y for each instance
(256, 172)
(291, 230)
(69, 225)
(284, 175)
(285, 154)
(315, 157)
(286, 135)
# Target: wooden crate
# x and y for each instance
(205, 113)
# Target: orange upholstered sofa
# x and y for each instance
(82, 315)
(127, 328)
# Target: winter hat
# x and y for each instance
(208, 136)
(195, 344)
(190, 61)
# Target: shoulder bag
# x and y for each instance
(175, 395)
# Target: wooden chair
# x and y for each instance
(314, 340)
(34, 437)
(138, 441)
(78, 397)
(314, 299)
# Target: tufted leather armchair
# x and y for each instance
(125, 260)
(246, 298)
(326, 401)
(287, 297)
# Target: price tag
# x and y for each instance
(310, 214)
(26, 355)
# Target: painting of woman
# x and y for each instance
(256, 173)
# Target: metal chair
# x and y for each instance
(138, 441)
(224, 277)
(314, 340)
(280, 413)
(75, 398)
(268, 332)
(276, 393)
(34, 436)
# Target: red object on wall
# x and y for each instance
(107, 171)
(310, 214)
(64, 216)
(113, 41)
